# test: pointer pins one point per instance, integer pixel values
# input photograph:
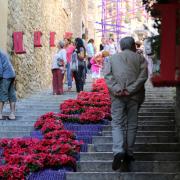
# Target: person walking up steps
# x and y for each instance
(58, 69)
(125, 75)
(78, 65)
(7, 89)
(69, 51)
(90, 52)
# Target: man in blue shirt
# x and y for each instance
(7, 90)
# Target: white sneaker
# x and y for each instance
(12, 116)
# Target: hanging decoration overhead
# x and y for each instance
(115, 14)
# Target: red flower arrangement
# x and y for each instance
(40, 122)
(100, 86)
(98, 99)
(12, 172)
(57, 149)
(92, 115)
(72, 106)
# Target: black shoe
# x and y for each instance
(129, 158)
(127, 163)
(118, 158)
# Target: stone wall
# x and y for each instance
(33, 69)
(79, 17)
(3, 24)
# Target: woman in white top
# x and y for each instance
(58, 69)
(112, 47)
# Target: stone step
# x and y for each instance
(24, 127)
(154, 123)
(13, 134)
(21, 132)
(32, 121)
(73, 94)
(157, 118)
(44, 103)
(121, 176)
(142, 116)
(158, 110)
(166, 106)
(33, 116)
(33, 113)
(162, 114)
(159, 103)
(136, 166)
(157, 99)
(141, 147)
(149, 107)
(20, 111)
(46, 99)
(16, 128)
(26, 110)
(140, 156)
(159, 94)
(50, 103)
(139, 139)
(166, 96)
(146, 111)
(9, 123)
(148, 127)
(146, 133)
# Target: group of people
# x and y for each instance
(69, 60)
(74, 60)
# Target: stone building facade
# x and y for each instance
(3, 24)
(33, 69)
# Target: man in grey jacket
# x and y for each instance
(7, 90)
(125, 75)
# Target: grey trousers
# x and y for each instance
(124, 124)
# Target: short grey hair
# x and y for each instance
(61, 43)
(127, 43)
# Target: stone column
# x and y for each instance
(178, 110)
(3, 24)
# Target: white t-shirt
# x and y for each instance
(62, 55)
(112, 49)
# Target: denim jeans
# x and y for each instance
(124, 124)
(69, 75)
(7, 90)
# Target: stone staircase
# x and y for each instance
(29, 109)
(157, 150)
